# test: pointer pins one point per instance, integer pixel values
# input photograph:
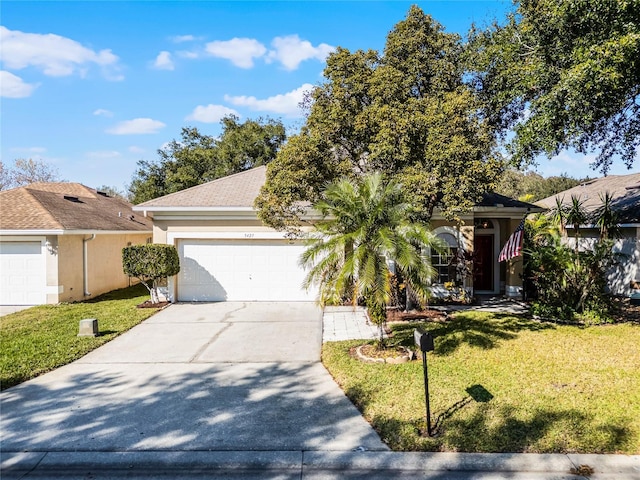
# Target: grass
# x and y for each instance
(40, 339)
(501, 383)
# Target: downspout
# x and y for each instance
(85, 263)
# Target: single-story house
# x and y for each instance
(227, 253)
(625, 191)
(62, 242)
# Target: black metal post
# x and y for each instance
(424, 340)
(426, 390)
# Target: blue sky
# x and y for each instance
(92, 87)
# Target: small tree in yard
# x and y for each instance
(365, 225)
(150, 264)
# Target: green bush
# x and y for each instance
(567, 282)
(151, 263)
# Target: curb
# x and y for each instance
(331, 463)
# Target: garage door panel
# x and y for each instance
(240, 270)
(23, 273)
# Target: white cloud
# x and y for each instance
(211, 113)
(56, 56)
(290, 51)
(12, 86)
(29, 150)
(137, 126)
(187, 54)
(101, 112)
(240, 51)
(163, 61)
(286, 104)
(182, 38)
(136, 149)
(103, 154)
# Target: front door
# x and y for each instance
(483, 263)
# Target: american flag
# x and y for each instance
(513, 247)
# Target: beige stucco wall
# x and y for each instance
(65, 269)
(105, 262)
(69, 259)
(466, 231)
(161, 228)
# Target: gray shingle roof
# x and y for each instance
(241, 189)
(493, 199)
(238, 190)
(625, 190)
(67, 206)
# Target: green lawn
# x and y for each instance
(39, 339)
(501, 383)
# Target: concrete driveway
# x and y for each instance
(194, 377)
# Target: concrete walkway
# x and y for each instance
(347, 323)
(8, 309)
(233, 390)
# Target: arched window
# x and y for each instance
(445, 262)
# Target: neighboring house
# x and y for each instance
(227, 253)
(62, 242)
(625, 190)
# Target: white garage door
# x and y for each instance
(239, 270)
(22, 273)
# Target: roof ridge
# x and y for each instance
(43, 208)
(65, 188)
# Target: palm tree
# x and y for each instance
(607, 218)
(558, 215)
(365, 226)
(576, 215)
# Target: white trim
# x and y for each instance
(455, 232)
(192, 209)
(24, 238)
(238, 235)
(205, 217)
(460, 239)
(73, 232)
(4, 233)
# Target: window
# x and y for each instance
(445, 262)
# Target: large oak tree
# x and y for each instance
(405, 113)
(564, 74)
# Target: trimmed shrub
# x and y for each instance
(150, 263)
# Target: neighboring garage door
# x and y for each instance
(245, 270)
(22, 273)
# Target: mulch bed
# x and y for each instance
(372, 354)
(149, 304)
(627, 312)
(428, 315)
